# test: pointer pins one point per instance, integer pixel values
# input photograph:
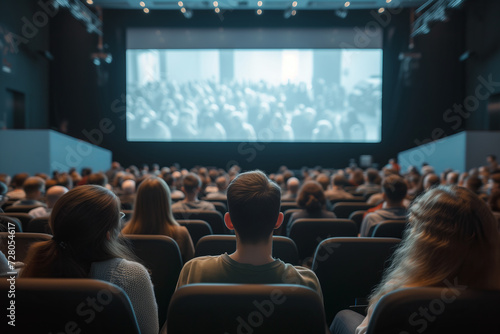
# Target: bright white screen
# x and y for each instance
(266, 95)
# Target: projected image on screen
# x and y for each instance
(240, 95)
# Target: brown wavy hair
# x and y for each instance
(311, 197)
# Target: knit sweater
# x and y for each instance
(134, 279)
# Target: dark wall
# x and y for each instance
(483, 44)
(24, 36)
(413, 105)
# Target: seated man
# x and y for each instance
(34, 188)
(292, 187)
(53, 194)
(191, 186)
(127, 196)
(17, 185)
(254, 212)
(337, 192)
(370, 186)
(394, 192)
(221, 183)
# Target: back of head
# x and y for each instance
(311, 197)
(33, 185)
(221, 183)
(254, 206)
(394, 188)
(85, 225)
(65, 180)
(53, 195)
(372, 176)
(191, 183)
(431, 180)
(18, 180)
(3, 189)
(339, 180)
(323, 180)
(98, 179)
(473, 183)
(128, 187)
(293, 185)
(453, 236)
(152, 209)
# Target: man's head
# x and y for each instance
(191, 183)
(221, 183)
(254, 207)
(431, 180)
(491, 158)
(98, 179)
(371, 176)
(18, 180)
(394, 188)
(338, 180)
(34, 187)
(324, 180)
(293, 185)
(452, 178)
(128, 187)
(54, 193)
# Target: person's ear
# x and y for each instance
(108, 235)
(279, 221)
(227, 220)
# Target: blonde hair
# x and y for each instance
(152, 209)
(452, 237)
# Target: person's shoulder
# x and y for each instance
(301, 275)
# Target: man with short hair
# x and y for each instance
(492, 163)
(337, 192)
(127, 195)
(221, 183)
(254, 212)
(191, 186)
(34, 188)
(394, 192)
(53, 194)
(370, 186)
(17, 185)
(292, 186)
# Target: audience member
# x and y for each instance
(3, 195)
(254, 212)
(86, 244)
(370, 186)
(337, 192)
(34, 188)
(394, 192)
(53, 194)
(98, 179)
(312, 201)
(452, 239)
(191, 186)
(17, 185)
(452, 178)
(127, 196)
(431, 180)
(171, 179)
(153, 215)
(492, 163)
(292, 186)
(221, 183)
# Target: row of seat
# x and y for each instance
(348, 268)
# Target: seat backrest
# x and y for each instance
(24, 218)
(213, 218)
(21, 208)
(357, 218)
(253, 308)
(221, 207)
(389, 229)
(283, 248)
(344, 209)
(67, 305)
(288, 205)
(308, 233)
(39, 225)
(23, 241)
(161, 255)
(196, 228)
(7, 223)
(8, 203)
(286, 219)
(349, 268)
(455, 309)
(356, 199)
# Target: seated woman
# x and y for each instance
(452, 237)
(153, 215)
(86, 244)
(312, 201)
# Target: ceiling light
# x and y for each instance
(259, 11)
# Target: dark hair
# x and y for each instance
(80, 222)
(311, 197)
(18, 180)
(339, 180)
(323, 180)
(492, 157)
(98, 179)
(394, 188)
(65, 180)
(494, 201)
(254, 206)
(372, 175)
(473, 183)
(191, 182)
(33, 184)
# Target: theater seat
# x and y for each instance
(24, 218)
(455, 309)
(67, 306)
(213, 218)
(196, 228)
(308, 233)
(349, 269)
(254, 308)
(283, 248)
(23, 242)
(22, 208)
(7, 223)
(389, 229)
(39, 225)
(344, 209)
(357, 218)
(161, 255)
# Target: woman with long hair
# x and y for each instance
(311, 199)
(453, 237)
(86, 227)
(153, 215)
